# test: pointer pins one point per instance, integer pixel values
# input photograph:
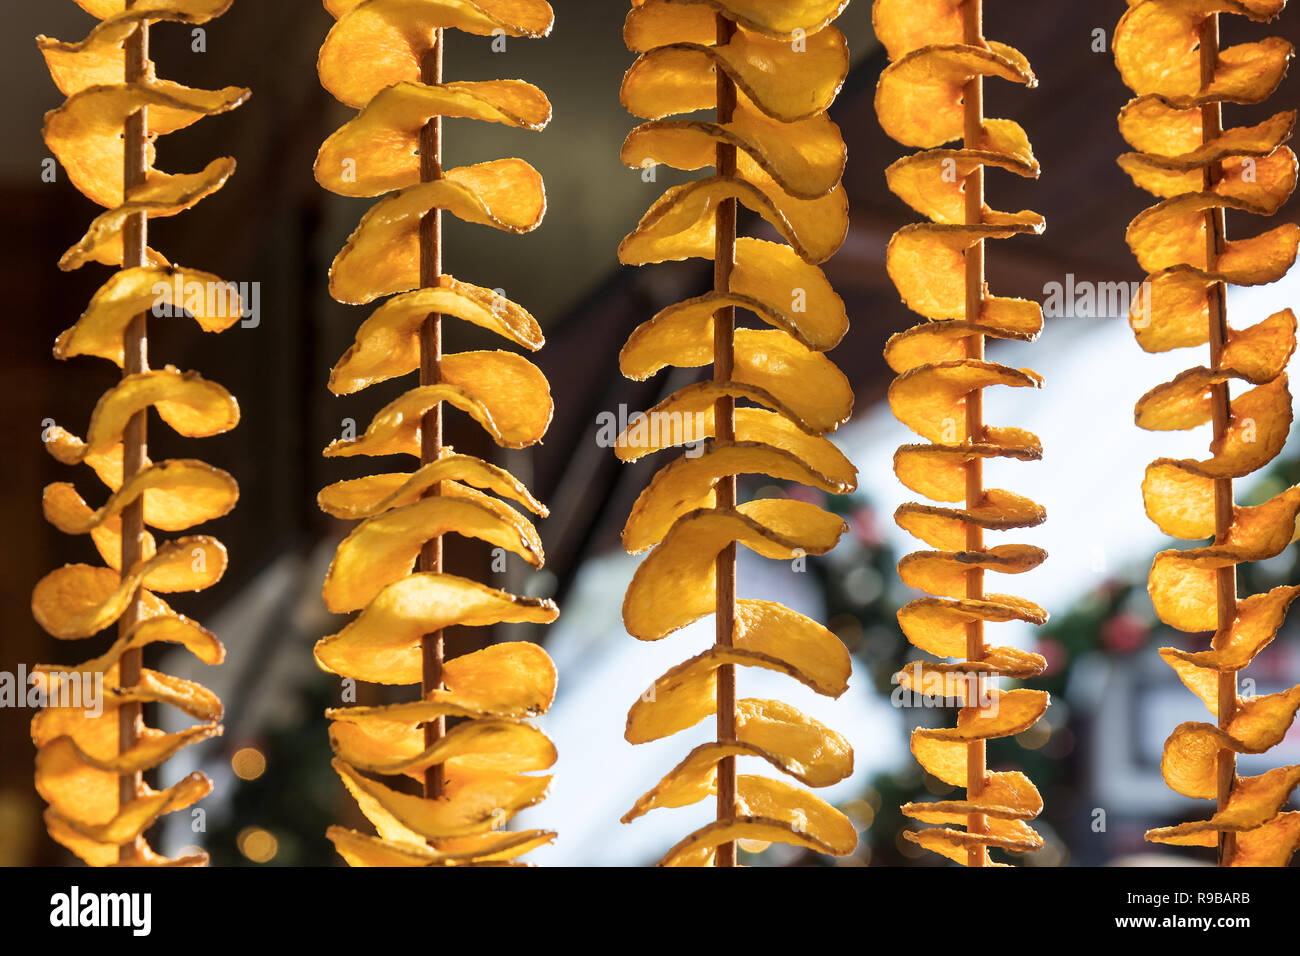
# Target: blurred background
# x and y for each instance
(1096, 754)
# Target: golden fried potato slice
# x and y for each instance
(770, 811)
(927, 262)
(943, 573)
(948, 340)
(1189, 764)
(375, 494)
(164, 629)
(760, 283)
(143, 811)
(383, 549)
(653, 23)
(1262, 351)
(939, 471)
(1259, 617)
(1254, 801)
(945, 528)
(72, 602)
(938, 626)
(906, 25)
(687, 485)
(189, 403)
(1004, 796)
(1156, 51)
(1165, 133)
(377, 43)
(787, 84)
(1273, 844)
(806, 158)
(85, 133)
(159, 198)
(675, 585)
(84, 787)
(382, 645)
(178, 495)
(105, 854)
(1172, 233)
(489, 744)
(378, 151)
(472, 802)
(1181, 504)
(919, 97)
(515, 680)
(1012, 835)
(382, 256)
(1263, 184)
(388, 343)
(504, 392)
(97, 60)
(683, 220)
(358, 849)
(1184, 403)
(931, 400)
(942, 751)
(932, 182)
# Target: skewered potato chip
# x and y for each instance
(384, 57)
(770, 72)
(930, 95)
(1167, 52)
(90, 765)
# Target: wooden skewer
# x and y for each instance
(973, 21)
(135, 241)
(724, 417)
(1225, 578)
(432, 646)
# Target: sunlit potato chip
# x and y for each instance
(1272, 844)
(954, 844)
(504, 392)
(85, 133)
(943, 573)
(95, 853)
(189, 403)
(70, 603)
(942, 751)
(1156, 52)
(902, 26)
(382, 256)
(1162, 132)
(932, 182)
(945, 528)
(1189, 764)
(683, 220)
(815, 316)
(472, 802)
(97, 60)
(806, 158)
(167, 629)
(178, 495)
(515, 680)
(931, 400)
(377, 43)
(388, 343)
(143, 811)
(938, 626)
(382, 550)
(382, 645)
(1257, 430)
(676, 583)
(1186, 402)
(787, 84)
(770, 811)
(1263, 184)
(938, 471)
(1254, 801)
(378, 151)
(374, 494)
(781, 429)
(1172, 233)
(1259, 618)
(84, 787)
(655, 22)
(937, 342)
(489, 744)
(687, 484)
(1004, 796)
(927, 262)
(919, 97)
(1181, 504)
(168, 196)
(359, 849)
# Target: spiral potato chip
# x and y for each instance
(770, 72)
(931, 94)
(384, 57)
(1168, 53)
(90, 765)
